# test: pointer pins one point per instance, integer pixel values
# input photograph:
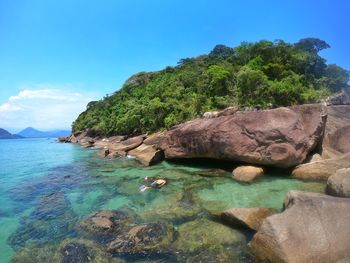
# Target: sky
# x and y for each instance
(55, 56)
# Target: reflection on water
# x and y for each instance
(48, 189)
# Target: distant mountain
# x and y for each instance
(6, 135)
(34, 133)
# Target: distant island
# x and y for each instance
(7, 135)
(33, 133)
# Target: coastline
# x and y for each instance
(327, 127)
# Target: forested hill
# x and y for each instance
(261, 73)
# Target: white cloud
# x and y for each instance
(43, 106)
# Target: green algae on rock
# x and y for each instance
(150, 238)
(80, 251)
(204, 234)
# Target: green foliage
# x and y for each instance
(253, 73)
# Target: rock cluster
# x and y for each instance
(313, 228)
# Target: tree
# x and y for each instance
(313, 45)
(252, 87)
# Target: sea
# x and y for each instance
(47, 188)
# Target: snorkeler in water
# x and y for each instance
(155, 183)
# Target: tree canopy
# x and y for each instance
(263, 73)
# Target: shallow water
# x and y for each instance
(46, 188)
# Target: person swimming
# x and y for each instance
(155, 184)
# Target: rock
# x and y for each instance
(247, 174)
(173, 207)
(214, 173)
(314, 158)
(86, 142)
(80, 251)
(151, 238)
(228, 111)
(147, 154)
(313, 228)
(337, 131)
(210, 114)
(246, 217)
(106, 222)
(153, 139)
(34, 253)
(281, 137)
(203, 234)
(338, 184)
(127, 145)
(342, 98)
(321, 170)
(102, 153)
(64, 139)
(338, 142)
(216, 255)
(116, 153)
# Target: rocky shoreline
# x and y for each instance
(311, 141)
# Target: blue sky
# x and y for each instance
(85, 49)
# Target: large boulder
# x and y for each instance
(313, 228)
(246, 217)
(342, 98)
(338, 184)
(337, 132)
(247, 174)
(147, 154)
(280, 137)
(321, 170)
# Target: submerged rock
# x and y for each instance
(151, 238)
(106, 222)
(338, 184)
(80, 251)
(321, 170)
(214, 173)
(102, 153)
(173, 207)
(147, 154)
(281, 137)
(52, 219)
(203, 234)
(313, 228)
(216, 255)
(34, 253)
(246, 217)
(247, 174)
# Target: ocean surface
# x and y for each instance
(47, 188)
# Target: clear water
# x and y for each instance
(46, 188)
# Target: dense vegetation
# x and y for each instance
(261, 73)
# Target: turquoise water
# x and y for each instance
(47, 188)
